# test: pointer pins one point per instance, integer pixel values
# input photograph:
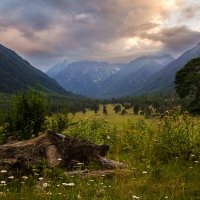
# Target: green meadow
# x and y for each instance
(162, 155)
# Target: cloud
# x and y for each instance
(176, 39)
(46, 32)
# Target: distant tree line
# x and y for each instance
(186, 94)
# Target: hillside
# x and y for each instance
(163, 80)
(17, 74)
(133, 75)
(144, 75)
(101, 79)
(85, 77)
(53, 71)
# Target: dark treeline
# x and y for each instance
(54, 104)
(73, 105)
(148, 105)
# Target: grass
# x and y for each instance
(115, 119)
(163, 155)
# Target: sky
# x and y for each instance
(47, 32)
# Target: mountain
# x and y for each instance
(56, 69)
(132, 75)
(102, 79)
(163, 80)
(17, 74)
(85, 77)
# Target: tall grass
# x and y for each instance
(162, 153)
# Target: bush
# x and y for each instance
(96, 130)
(58, 122)
(176, 136)
(136, 139)
(27, 116)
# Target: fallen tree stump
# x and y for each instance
(57, 150)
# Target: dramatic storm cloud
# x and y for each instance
(49, 31)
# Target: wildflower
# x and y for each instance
(11, 177)
(144, 172)
(59, 159)
(41, 178)
(68, 184)
(135, 197)
(166, 197)
(192, 155)
(45, 184)
(3, 182)
(79, 163)
(91, 180)
(196, 161)
(49, 193)
(24, 177)
(22, 182)
(59, 193)
(36, 174)
(4, 171)
(108, 137)
(58, 185)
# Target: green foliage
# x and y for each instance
(27, 116)
(187, 83)
(96, 107)
(136, 138)
(136, 109)
(105, 110)
(97, 130)
(58, 122)
(177, 137)
(5, 103)
(161, 153)
(124, 112)
(117, 108)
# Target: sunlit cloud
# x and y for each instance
(47, 32)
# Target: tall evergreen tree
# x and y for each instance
(187, 83)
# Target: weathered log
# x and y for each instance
(56, 149)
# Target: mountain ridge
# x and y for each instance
(144, 75)
(163, 80)
(95, 79)
(84, 77)
(18, 74)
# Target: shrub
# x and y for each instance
(58, 122)
(117, 108)
(27, 116)
(96, 130)
(175, 137)
(136, 138)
